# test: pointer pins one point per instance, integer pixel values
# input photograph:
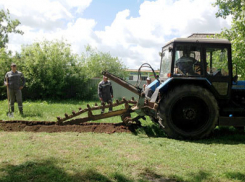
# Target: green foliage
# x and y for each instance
(96, 62)
(5, 62)
(52, 70)
(236, 34)
(219, 60)
(229, 7)
(7, 26)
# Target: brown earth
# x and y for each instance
(50, 127)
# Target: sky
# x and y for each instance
(132, 30)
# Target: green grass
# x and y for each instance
(49, 110)
(146, 155)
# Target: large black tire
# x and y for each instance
(188, 112)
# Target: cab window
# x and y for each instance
(187, 61)
(217, 62)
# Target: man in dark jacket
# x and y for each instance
(105, 92)
(15, 82)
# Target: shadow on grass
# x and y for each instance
(150, 175)
(190, 177)
(221, 135)
(194, 177)
(151, 130)
(48, 171)
(224, 135)
(235, 176)
(199, 176)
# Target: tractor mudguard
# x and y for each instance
(160, 88)
(150, 89)
(153, 85)
(239, 85)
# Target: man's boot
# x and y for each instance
(21, 111)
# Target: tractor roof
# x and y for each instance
(199, 40)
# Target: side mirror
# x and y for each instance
(161, 54)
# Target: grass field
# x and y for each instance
(49, 110)
(146, 155)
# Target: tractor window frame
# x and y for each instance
(198, 57)
(166, 62)
(214, 65)
(221, 83)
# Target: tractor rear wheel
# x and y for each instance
(188, 112)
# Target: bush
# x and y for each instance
(5, 62)
(52, 71)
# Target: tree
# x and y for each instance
(96, 62)
(5, 62)
(236, 34)
(7, 26)
(52, 71)
(229, 7)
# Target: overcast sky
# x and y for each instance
(133, 30)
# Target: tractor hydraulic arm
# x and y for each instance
(123, 83)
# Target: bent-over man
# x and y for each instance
(105, 92)
(15, 82)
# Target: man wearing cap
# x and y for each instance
(15, 82)
(148, 82)
(105, 92)
(148, 91)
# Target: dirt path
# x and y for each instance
(50, 127)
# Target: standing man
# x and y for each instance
(15, 84)
(105, 92)
(148, 91)
(148, 82)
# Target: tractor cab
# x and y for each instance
(198, 61)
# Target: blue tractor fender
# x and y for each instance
(161, 88)
(239, 85)
(164, 86)
(154, 85)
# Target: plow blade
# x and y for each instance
(92, 117)
(95, 117)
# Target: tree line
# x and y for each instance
(51, 69)
(235, 34)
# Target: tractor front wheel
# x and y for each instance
(188, 112)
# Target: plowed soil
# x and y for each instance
(50, 127)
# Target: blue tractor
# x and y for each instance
(197, 89)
